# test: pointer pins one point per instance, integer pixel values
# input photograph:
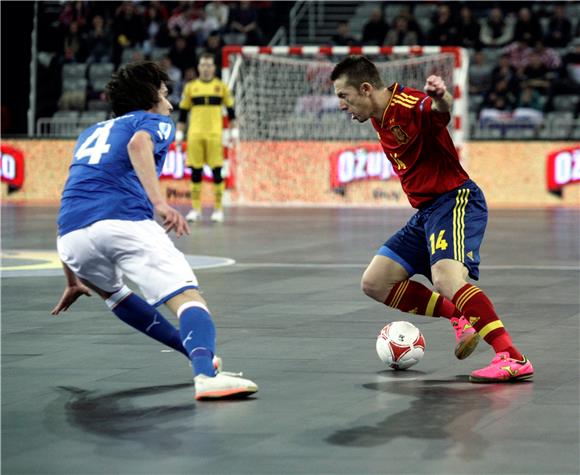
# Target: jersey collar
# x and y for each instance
(393, 87)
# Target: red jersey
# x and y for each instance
(416, 141)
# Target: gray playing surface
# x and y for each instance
(85, 394)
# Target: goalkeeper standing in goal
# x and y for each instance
(441, 241)
(203, 99)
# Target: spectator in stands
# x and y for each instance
(548, 56)
(400, 34)
(99, 41)
(529, 108)
(530, 99)
(479, 74)
(157, 33)
(189, 75)
(74, 47)
(203, 25)
(375, 30)
(182, 55)
(214, 45)
(444, 29)
(468, 29)
(498, 104)
(175, 85)
(536, 75)
(505, 71)
(518, 54)
(527, 27)
(177, 22)
(500, 97)
(568, 78)
(74, 12)
(405, 11)
(342, 37)
(128, 30)
(496, 31)
(220, 11)
(244, 21)
(559, 31)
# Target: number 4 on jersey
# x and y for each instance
(440, 244)
(96, 144)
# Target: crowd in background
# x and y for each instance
(518, 61)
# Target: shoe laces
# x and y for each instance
(230, 373)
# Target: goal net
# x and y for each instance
(285, 93)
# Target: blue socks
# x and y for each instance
(198, 336)
(136, 312)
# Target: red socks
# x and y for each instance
(478, 309)
(412, 297)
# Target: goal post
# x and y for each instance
(285, 101)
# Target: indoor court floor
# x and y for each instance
(84, 394)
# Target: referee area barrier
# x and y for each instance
(323, 173)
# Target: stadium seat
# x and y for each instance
(64, 114)
(98, 105)
(74, 71)
(93, 116)
(101, 70)
(520, 133)
(565, 102)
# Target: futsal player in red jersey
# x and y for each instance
(441, 240)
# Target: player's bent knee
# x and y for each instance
(196, 174)
(217, 175)
(374, 289)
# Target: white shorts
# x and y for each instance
(106, 251)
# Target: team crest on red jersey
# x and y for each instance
(400, 134)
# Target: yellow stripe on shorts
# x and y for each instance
(459, 224)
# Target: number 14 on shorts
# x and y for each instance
(441, 243)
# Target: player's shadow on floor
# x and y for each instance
(126, 414)
(442, 412)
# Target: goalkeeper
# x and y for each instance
(203, 99)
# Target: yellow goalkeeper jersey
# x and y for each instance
(205, 100)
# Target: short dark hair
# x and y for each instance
(135, 86)
(357, 69)
(207, 55)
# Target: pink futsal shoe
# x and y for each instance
(465, 336)
(504, 369)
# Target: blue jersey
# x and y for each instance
(102, 183)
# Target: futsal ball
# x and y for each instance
(400, 345)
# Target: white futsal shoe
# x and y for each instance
(223, 385)
(218, 216)
(193, 216)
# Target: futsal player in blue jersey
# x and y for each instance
(107, 231)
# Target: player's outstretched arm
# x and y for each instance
(73, 290)
(442, 98)
(140, 150)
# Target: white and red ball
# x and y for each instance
(400, 345)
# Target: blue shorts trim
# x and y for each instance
(385, 251)
(173, 294)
